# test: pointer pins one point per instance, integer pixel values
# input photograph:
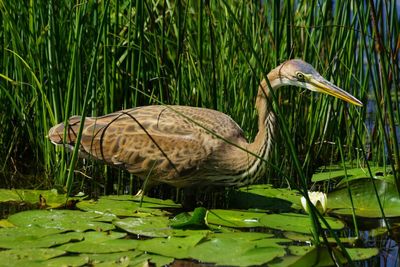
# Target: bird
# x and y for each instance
(191, 147)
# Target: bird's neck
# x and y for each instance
(264, 100)
(262, 145)
(251, 166)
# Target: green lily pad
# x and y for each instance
(364, 199)
(98, 237)
(105, 246)
(146, 258)
(25, 257)
(319, 256)
(176, 247)
(45, 198)
(69, 261)
(63, 219)
(6, 224)
(265, 196)
(288, 260)
(232, 218)
(196, 220)
(125, 257)
(284, 222)
(101, 242)
(256, 252)
(247, 236)
(301, 237)
(126, 207)
(147, 202)
(353, 174)
(379, 231)
(358, 254)
(254, 248)
(299, 250)
(249, 248)
(153, 227)
(147, 226)
(34, 237)
(128, 258)
(7, 195)
(295, 222)
(9, 234)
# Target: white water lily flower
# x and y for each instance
(318, 199)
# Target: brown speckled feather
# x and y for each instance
(163, 136)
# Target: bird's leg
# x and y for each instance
(189, 198)
(208, 197)
(140, 193)
(146, 186)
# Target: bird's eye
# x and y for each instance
(300, 76)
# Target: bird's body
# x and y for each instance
(187, 146)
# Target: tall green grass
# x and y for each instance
(200, 53)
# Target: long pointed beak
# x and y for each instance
(323, 86)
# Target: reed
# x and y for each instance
(201, 53)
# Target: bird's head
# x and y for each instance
(299, 73)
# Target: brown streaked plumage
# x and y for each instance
(181, 145)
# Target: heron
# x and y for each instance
(191, 147)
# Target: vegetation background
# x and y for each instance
(62, 58)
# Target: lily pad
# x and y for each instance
(9, 234)
(69, 261)
(299, 250)
(176, 247)
(295, 222)
(249, 248)
(26, 257)
(299, 237)
(196, 220)
(43, 198)
(153, 227)
(287, 261)
(6, 224)
(34, 237)
(265, 196)
(100, 242)
(284, 222)
(236, 219)
(146, 258)
(125, 258)
(147, 226)
(128, 258)
(63, 219)
(245, 253)
(148, 202)
(127, 206)
(365, 200)
(319, 256)
(247, 236)
(353, 174)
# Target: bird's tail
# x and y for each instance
(56, 133)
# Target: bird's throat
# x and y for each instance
(263, 142)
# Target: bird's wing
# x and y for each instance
(167, 142)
